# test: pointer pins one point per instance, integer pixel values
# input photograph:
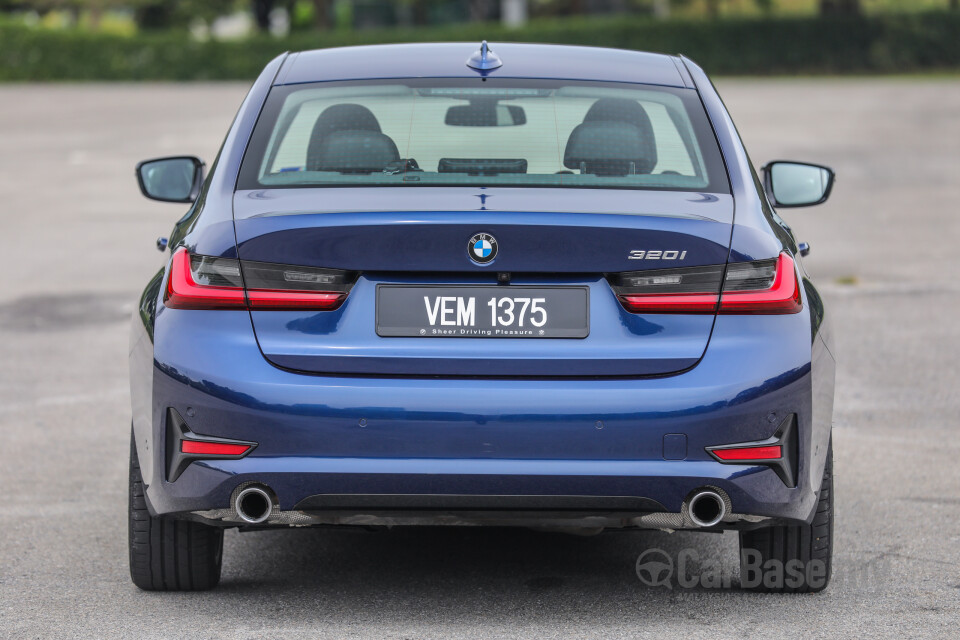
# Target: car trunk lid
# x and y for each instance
(396, 238)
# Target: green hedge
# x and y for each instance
(876, 44)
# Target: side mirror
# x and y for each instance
(797, 184)
(175, 179)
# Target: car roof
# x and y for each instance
(448, 60)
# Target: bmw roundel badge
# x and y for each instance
(482, 248)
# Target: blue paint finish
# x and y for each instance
(437, 241)
(619, 343)
(265, 203)
(207, 228)
(447, 60)
(475, 431)
(435, 429)
(675, 446)
(535, 247)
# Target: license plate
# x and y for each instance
(509, 311)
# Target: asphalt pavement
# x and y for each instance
(77, 244)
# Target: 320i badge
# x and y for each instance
(583, 229)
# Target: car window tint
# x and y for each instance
(506, 133)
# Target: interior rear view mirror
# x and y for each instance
(485, 114)
(797, 184)
(174, 179)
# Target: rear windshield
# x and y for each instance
(493, 132)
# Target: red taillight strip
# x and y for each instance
(782, 297)
(270, 299)
(671, 303)
(198, 447)
(184, 293)
(773, 452)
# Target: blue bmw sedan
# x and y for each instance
(451, 284)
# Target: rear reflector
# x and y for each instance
(761, 287)
(773, 452)
(201, 448)
(205, 282)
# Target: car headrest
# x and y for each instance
(619, 110)
(339, 117)
(354, 152)
(624, 111)
(609, 148)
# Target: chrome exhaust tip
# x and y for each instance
(253, 505)
(707, 508)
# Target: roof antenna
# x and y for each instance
(484, 59)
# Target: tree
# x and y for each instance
(263, 8)
(321, 14)
(661, 8)
(840, 7)
(164, 14)
(480, 10)
(261, 13)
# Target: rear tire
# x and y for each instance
(807, 548)
(165, 554)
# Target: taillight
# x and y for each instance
(205, 282)
(278, 300)
(218, 288)
(686, 290)
(283, 286)
(761, 287)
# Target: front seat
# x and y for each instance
(615, 138)
(347, 138)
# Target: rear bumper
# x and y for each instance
(608, 448)
(472, 492)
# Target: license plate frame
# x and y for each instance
(404, 311)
